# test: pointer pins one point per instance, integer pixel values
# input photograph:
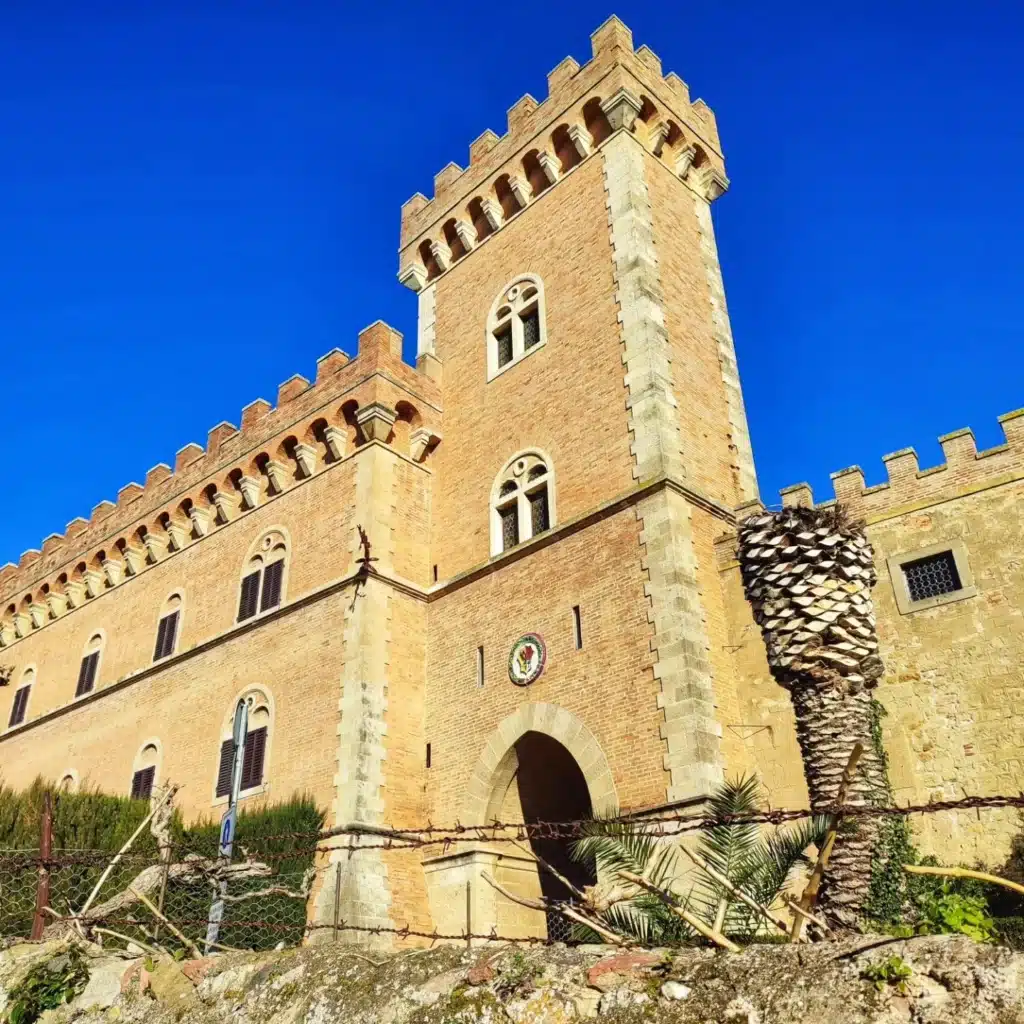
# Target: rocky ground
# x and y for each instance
(951, 979)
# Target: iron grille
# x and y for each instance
(932, 576)
(531, 327)
(504, 338)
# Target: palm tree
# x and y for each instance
(759, 864)
(808, 575)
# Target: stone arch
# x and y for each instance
(496, 766)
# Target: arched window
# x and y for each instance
(256, 744)
(266, 572)
(167, 627)
(522, 501)
(21, 695)
(145, 770)
(89, 670)
(68, 782)
(516, 324)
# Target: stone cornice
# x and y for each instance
(171, 552)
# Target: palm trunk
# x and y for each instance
(808, 575)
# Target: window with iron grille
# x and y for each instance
(531, 328)
(166, 635)
(87, 674)
(509, 526)
(932, 576)
(539, 511)
(142, 783)
(19, 706)
(504, 339)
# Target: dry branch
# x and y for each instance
(691, 919)
(722, 880)
(982, 876)
(167, 797)
(192, 947)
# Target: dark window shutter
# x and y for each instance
(165, 636)
(252, 763)
(142, 783)
(250, 595)
(273, 575)
(87, 673)
(227, 755)
(18, 709)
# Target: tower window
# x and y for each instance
(167, 628)
(577, 627)
(515, 326)
(264, 580)
(479, 666)
(89, 668)
(523, 503)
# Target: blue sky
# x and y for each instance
(197, 200)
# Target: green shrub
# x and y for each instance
(891, 971)
(952, 912)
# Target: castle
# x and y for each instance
(502, 584)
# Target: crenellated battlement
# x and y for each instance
(619, 88)
(964, 470)
(349, 402)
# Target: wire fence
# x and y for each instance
(164, 899)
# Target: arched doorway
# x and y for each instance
(549, 786)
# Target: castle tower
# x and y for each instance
(595, 443)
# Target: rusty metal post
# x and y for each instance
(45, 852)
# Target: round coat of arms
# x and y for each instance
(526, 662)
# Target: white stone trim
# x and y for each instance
(683, 667)
(739, 432)
(426, 320)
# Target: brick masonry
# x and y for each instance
(602, 191)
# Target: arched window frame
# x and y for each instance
(19, 705)
(517, 298)
(167, 637)
(513, 487)
(272, 546)
(143, 762)
(70, 781)
(89, 679)
(261, 715)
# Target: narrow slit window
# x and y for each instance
(577, 627)
(480, 666)
(428, 755)
(19, 706)
(142, 783)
